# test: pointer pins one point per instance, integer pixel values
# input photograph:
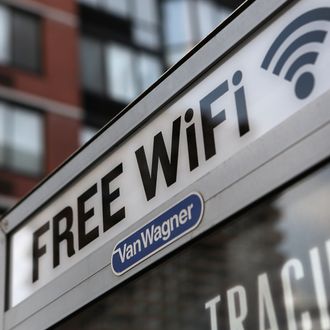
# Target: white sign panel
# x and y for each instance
(273, 76)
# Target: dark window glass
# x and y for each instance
(267, 268)
(91, 65)
(26, 41)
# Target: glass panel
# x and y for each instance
(3, 124)
(265, 269)
(121, 84)
(146, 10)
(177, 22)
(149, 70)
(119, 7)
(91, 65)
(146, 35)
(4, 34)
(26, 41)
(27, 145)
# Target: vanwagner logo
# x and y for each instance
(157, 234)
(305, 82)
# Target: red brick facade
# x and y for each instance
(54, 91)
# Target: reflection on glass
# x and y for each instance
(4, 34)
(91, 65)
(145, 10)
(121, 82)
(264, 269)
(26, 148)
(26, 41)
(177, 22)
(149, 70)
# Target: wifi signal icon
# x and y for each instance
(304, 84)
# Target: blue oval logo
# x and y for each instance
(157, 234)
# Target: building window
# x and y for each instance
(20, 39)
(146, 28)
(142, 14)
(121, 82)
(21, 139)
(121, 67)
(26, 41)
(116, 70)
(186, 22)
(91, 65)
